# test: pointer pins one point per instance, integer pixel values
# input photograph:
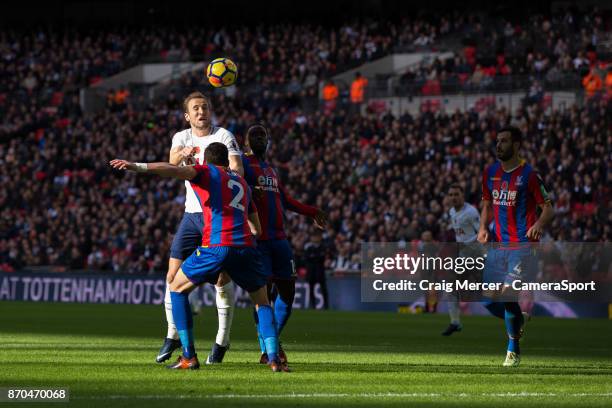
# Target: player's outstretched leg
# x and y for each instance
(183, 318)
(454, 313)
(514, 322)
(171, 342)
(187, 238)
(225, 312)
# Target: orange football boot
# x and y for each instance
(185, 363)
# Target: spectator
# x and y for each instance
(314, 259)
(358, 88)
(121, 97)
(592, 83)
(330, 95)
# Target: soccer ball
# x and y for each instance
(222, 72)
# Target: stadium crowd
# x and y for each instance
(380, 177)
(42, 70)
(497, 54)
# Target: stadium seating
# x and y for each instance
(381, 178)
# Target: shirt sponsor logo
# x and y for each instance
(504, 197)
(267, 182)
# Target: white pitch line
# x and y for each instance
(348, 395)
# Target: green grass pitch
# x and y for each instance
(105, 355)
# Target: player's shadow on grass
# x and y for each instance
(376, 354)
(456, 367)
(492, 368)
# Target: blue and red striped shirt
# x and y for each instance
(271, 198)
(515, 197)
(226, 202)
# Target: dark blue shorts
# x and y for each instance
(506, 265)
(243, 265)
(277, 258)
(188, 236)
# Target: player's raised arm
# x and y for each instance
(235, 163)
(161, 169)
(233, 152)
(179, 153)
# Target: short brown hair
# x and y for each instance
(194, 95)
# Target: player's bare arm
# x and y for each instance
(536, 230)
(254, 224)
(235, 163)
(320, 217)
(180, 153)
(160, 169)
(483, 231)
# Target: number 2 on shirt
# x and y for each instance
(235, 203)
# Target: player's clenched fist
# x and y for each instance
(188, 151)
(187, 154)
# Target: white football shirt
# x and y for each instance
(187, 138)
(465, 222)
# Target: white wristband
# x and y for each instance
(141, 167)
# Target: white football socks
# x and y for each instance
(172, 332)
(225, 311)
(454, 311)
